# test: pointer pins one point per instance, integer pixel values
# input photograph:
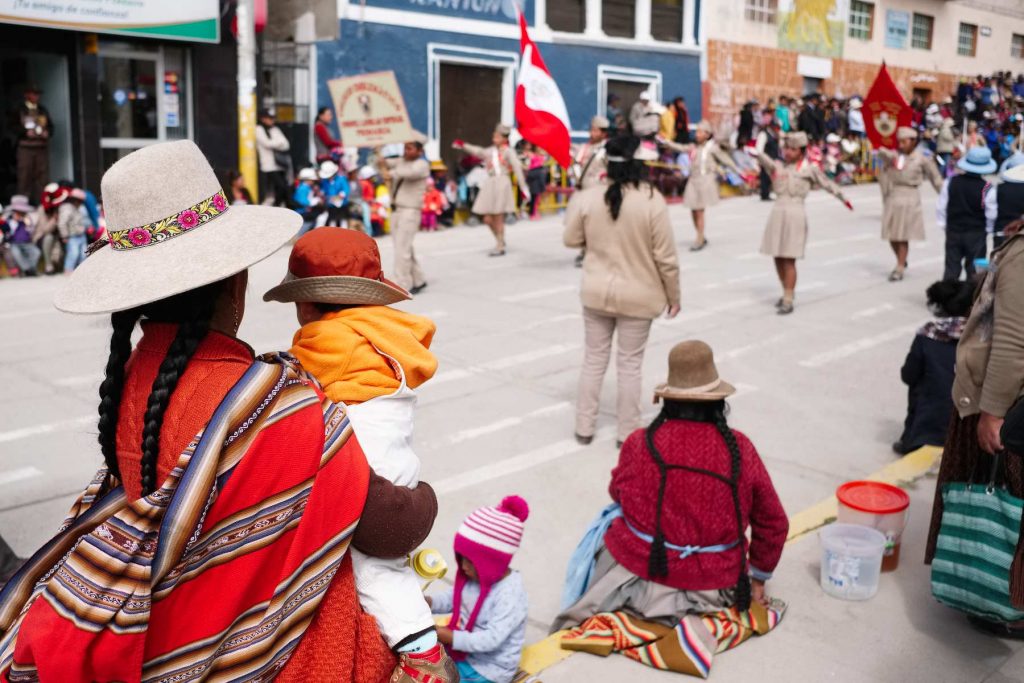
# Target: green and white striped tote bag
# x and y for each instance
(977, 540)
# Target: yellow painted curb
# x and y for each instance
(545, 654)
(907, 469)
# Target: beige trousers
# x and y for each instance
(598, 330)
(405, 225)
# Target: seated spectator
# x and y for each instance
(238, 193)
(72, 224)
(307, 198)
(672, 549)
(335, 190)
(928, 370)
(18, 232)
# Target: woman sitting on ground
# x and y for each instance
(674, 543)
(930, 365)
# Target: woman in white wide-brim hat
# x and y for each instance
(902, 217)
(211, 456)
(785, 236)
(708, 161)
(496, 198)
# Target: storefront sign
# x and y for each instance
(490, 10)
(897, 28)
(194, 20)
(370, 110)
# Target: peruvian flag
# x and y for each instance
(540, 110)
(885, 110)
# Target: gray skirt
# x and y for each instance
(786, 233)
(614, 588)
(495, 197)
(701, 192)
(902, 218)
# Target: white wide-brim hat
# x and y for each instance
(170, 230)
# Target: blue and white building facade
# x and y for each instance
(456, 60)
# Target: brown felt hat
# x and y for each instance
(692, 375)
(336, 266)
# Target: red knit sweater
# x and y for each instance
(698, 509)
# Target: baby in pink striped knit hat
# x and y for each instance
(488, 604)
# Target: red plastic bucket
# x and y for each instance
(880, 506)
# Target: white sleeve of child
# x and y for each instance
(940, 205)
(390, 592)
(442, 603)
(505, 612)
(384, 433)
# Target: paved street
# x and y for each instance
(819, 395)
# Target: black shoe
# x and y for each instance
(496, 252)
(584, 440)
(618, 443)
(901, 448)
(785, 309)
(997, 628)
(579, 260)
(417, 289)
(699, 247)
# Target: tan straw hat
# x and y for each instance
(692, 375)
(336, 266)
(171, 229)
(906, 133)
(503, 130)
(705, 126)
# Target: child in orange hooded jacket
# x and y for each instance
(369, 357)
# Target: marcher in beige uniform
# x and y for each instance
(590, 163)
(707, 162)
(409, 176)
(785, 238)
(630, 277)
(496, 198)
(902, 217)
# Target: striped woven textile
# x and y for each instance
(975, 548)
(687, 648)
(216, 575)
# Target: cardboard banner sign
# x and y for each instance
(370, 110)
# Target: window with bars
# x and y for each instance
(967, 40)
(1017, 46)
(921, 31)
(618, 18)
(862, 20)
(763, 11)
(667, 20)
(568, 15)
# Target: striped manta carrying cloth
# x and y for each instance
(216, 575)
(687, 648)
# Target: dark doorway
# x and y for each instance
(470, 102)
(628, 93)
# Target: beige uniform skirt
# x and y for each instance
(902, 217)
(786, 234)
(701, 192)
(495, 197)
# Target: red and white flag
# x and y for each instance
(541, 115)
(885, 110)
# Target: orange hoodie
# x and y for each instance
(343, 350)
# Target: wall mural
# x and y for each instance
(815, 27)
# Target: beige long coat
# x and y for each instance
(786, 233)
(990, 355)
(631, 268)
(496, 192)
(902, 217)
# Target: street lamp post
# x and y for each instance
(246, 36)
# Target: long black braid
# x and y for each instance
(192, 311)
(713, 412)
(622, 174)
(122, 324)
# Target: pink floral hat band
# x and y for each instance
(170, 227)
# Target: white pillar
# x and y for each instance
(593, 12)
(643, 20)
(540, 14)
(689, 7)
(246, 39)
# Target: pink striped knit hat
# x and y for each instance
(488, 538)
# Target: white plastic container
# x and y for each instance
(851, 561)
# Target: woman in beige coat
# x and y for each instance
(707, 162)
(902, 217)
(496, 198)
(785, 237)
(630, 277)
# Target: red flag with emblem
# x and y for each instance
(885, 110)
(541, 115)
